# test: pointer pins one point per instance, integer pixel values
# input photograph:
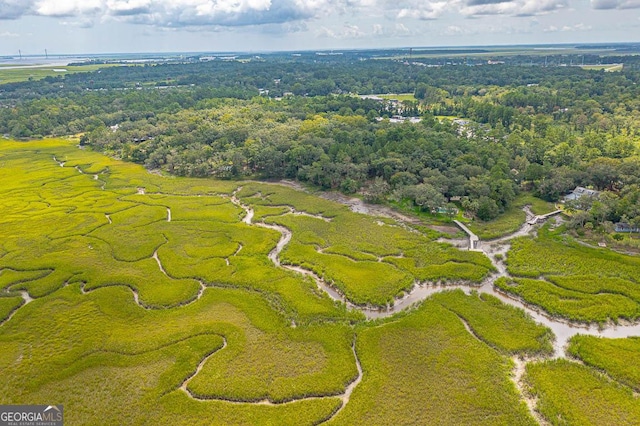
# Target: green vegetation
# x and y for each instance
(572, 281)
(572, 394)
(149, 288)
(398, 96)
(81, 244)
(19, 74)
(619, 358)
(426, 366)
(537, 205)
(512, 219)
(311, 362)
(573, 305)
(607, 67)
(368, 267)
(139, 364)
(501, 326)
(187, 320)
(552, 254)
(594, 284)
(541, 129)
(508, 222)
(8, 305)
(108, 237)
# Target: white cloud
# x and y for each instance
(424, 10)
(396, 30)
(67, 7)
(199, 14)
(347, 31)
(512, 8)
(128, 7)
(615, 4)
(180, 12)
(453, 30)
(567, 28)
(9, 34)
(14, 9)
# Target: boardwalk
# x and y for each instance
(474, 241)
(542, 218)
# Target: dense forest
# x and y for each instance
(486, 132)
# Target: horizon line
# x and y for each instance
(343, 49)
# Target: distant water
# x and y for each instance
(9, 62)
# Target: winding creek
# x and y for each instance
(562, 329)
(495, 250)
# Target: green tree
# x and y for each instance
(487, 209)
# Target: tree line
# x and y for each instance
(487, 132)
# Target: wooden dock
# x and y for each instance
(542, 218)
(474, 241)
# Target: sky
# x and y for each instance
(123, 26)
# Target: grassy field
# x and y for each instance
(512, 219)
(552, 254)
(605, 67)
(538, 206)
(619, 358)
(370, 261)
(91, 352)
(398, 96)
(572, 394)
(427, 369)
(15, 75)
(140, 299)
(501, 326)
(572, 281)
(116, 260)
(569, 304)
(120, 321)
(507, 223)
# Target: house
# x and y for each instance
(401, 119)
(580, 192)
(626, 227)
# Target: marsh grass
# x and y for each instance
(426, 366)
(102, 338)
(572, 281)
(569, 304)
(619, 358)
(8, 304)
(113, 334)
(572, 394)
(369, 263)
(501, 326)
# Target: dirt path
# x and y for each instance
(358, 206)
(525, 395)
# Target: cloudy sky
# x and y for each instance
(103, 26)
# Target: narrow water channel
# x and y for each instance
(563, 330)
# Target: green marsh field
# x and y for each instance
(135, 298)
(14, 73)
